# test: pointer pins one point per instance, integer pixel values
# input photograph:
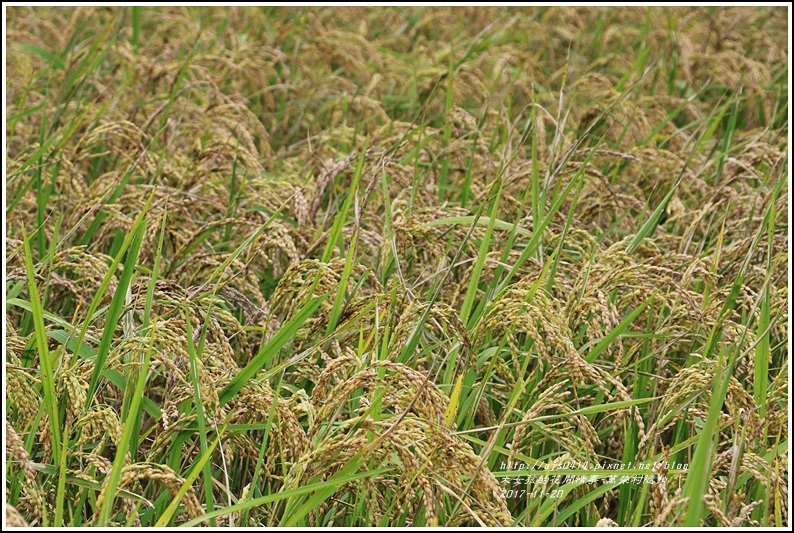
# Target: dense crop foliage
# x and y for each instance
(397, 266)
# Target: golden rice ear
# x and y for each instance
(606, 522)
(136, 473)
(14, 518)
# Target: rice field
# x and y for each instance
(421, 266)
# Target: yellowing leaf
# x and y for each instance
(454, 402)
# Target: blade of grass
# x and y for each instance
(47, 375)
(194, 356)
(258, 502)
(166, 517)
(617, 330)
(341, 217)
(126, 436)
(269, 350)
(114, 312)
(97, 297)
(485, 244)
